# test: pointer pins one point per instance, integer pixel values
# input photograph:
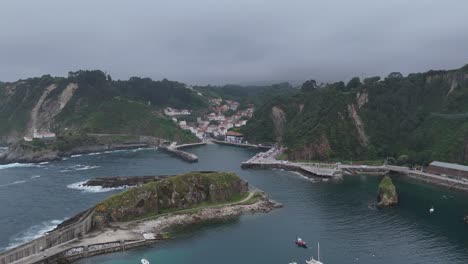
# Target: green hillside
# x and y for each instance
(91, 102)
(423, 116)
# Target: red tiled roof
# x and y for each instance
(232, 133)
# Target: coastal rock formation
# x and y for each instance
(121, 181)
(387, 195)
(170, 194)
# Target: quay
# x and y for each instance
(240, 144)
(267, 160)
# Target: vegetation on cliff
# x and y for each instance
(171, 194)
(421, 117)
(387, 195)
(91, 102)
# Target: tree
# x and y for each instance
(309, 86)
(371, 80)
(395, 75)
(402, 159)
(353, 83)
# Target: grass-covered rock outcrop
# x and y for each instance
(387, 195)
(171, 194)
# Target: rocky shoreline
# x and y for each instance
(163, 224)
(16, 154)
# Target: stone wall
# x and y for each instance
(52, 239)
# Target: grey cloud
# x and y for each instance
(237, 41)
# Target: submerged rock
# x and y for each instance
(387, 195)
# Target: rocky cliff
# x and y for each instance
(91, 102)
(170, 194)
(387, 195)
(423, 116)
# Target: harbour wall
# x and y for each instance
(189, 157)
(288, 167)
(55, 238)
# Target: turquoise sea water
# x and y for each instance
(339, 215)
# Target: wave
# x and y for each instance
(33, 232)
(92, 189)
(84, 167)
(95, 153)
(35, 176)
(12, 183)
(17, 165)
(77, 155)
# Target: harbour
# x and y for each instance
(317, 211)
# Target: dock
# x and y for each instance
(267, 160)
(243, 145)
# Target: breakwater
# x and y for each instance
(189, 157)
(77, 227)
(305, 170)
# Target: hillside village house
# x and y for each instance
(40, 135)
(176, 112)
(448, 169)
(234, 137)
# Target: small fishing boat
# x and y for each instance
(300, 243)
(144, 261)
(312, 260)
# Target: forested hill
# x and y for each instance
(415, 119)
(91, 102)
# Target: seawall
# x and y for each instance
(59, 236)
(189, 157)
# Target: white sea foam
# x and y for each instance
(77, 155)
(35, 176)
(91, 189)
(33, 232)
(12, 183)
(16, 165)
(84, 167)
(43, 163)
(95, 153)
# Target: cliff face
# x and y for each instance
(170, 194)
(387, 195)
(422, 115)
(90, 102)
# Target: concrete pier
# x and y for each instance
(240, 144)
(189, 157)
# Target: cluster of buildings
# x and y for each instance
(218, 122)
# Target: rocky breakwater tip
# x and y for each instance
(387, 195)
(189, 157)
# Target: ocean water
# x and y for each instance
(340, 215)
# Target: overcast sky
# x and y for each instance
(237, 41)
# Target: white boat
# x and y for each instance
(431, 210)
(145, 261)
(312, 260)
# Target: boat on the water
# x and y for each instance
(300, 243)
(312, 260)
(144, 261)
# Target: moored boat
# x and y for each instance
(300, 243)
